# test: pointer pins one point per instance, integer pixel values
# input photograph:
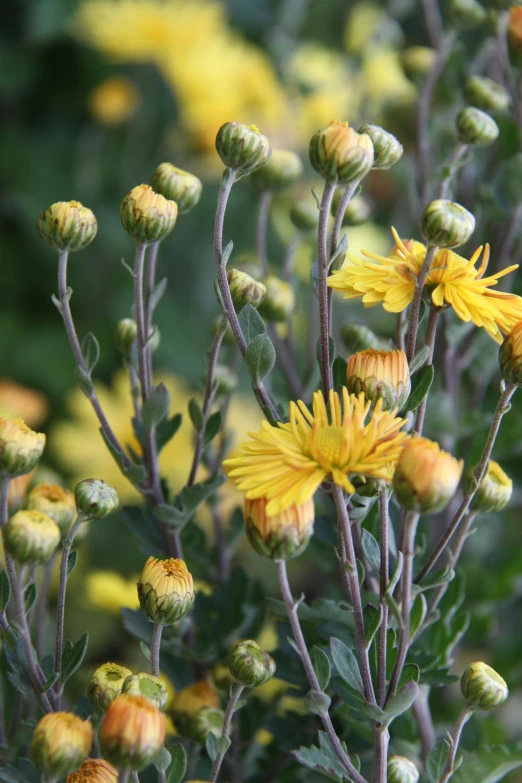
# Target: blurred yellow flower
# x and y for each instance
(20, 402)
(383, 76)
(110, 592)
(363, 24)
(113, 101)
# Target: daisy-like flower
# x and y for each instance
(452, 281)
(286, 464)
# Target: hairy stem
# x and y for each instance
(382, 739)
(431, 333)
(463, 718)
(235, 694)
(155, 644)
(383, 587)
(265, 201)
(413, 327)
(335, 237)
(451, 170)
(322, 270)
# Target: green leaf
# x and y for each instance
(410, 672)
(260, 357)
(213, 426)
(323, 759)
(420, 386)
(145, 650)
(73, 656)
(157, 294)
(346, 665)
(156, 406)
(135, 473)
(166, 430)
(371, 550)
(445, 574)
(71, 562)
(402, 700)
(436, 761)
(227, 252)
(418, 613)
(420, 359)
(188, 501)
(372, 712)
(224, 743)
(196, 414)
(5, 590)
(251, 323)
(178, 765)
(30, 593)
(394, 607)
(91, 351)
(372, 622)
(212, 746)
(396, 574)
(50, 682)
(84, 381)
(489, 764)
(317, 702)
(162, 760)
(339, 372)
(322, 668)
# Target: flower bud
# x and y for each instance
(67, 225)
(447, 224)
(476, 127)
(189, 701)
(147, 685)
(515, 34)
(426, 478)
(494, 492)
(205, 720)
(31, 537)
(485, 94)
(242, 148)
(165, 590)
(147, 216)
(105, 684)
(417, 61)
(402, 770)
(278, 303)
(340, 155)
(244, 289)
(250, 665)
(467, 13)
(95, 499)
(132, 732)
(225, 378)
(282, 535)
(357, 337)
(281, 171)
(60, 744)
(368, 487)
(94, 771)
(510, 355)
(358, 210)
(20, 447)
(380, 375)
(304, 216)
(177, 185)
(125, 335)
(482, 687)
(387, 150)
(56, 502)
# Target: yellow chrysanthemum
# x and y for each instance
(452, 280)
(287, 463)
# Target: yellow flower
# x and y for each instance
(94, 771)
(452, 281)
(113, 101)
(165, 590)
(109, 592)
(61, 741)
(132, 731)
(426, 477)
(287, 463)
(379, 375)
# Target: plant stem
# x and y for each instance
(451, 169)
(152, 261)
(433, 21)
(463, 718)
(322, 271)
(431, 333)
(157, 630)
(413, 328)
(383, 587)
(139, 306)
(235, 694)
(265, 201)
(500, 410)
(293, 617)
(382, 739)
(335, 236)
(422, 714)
(42, 604)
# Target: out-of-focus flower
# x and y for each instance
(132, 732)
(94, 771)
(282, 169)
(402, 770)
(20, 402)
(278, 303)
(114, 101)
(314, 446)
(383, 77)
(177, 185)
(61, 741)
(515, 33)
(105, 684)
(453, 280)
(476, 127)
(486, 94)
(418, 61)
(510, 355)
(20, 447)
(31, 537)
(426, 478)
(109, 592)
(190, 703)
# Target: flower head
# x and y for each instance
(341, 155)
(195, 710)
(165, 590)
(31, 537)
(494, 492)
(482, 687)
(147, 216)
(94, 771)
(67, 225)
(379, 375)
(177, 185)
(95, 498)
(250, 665)
(242, 147)
(60, 743)
(426, 478)
(402, 770)
(55, 501)
(105, 684)
(132, 731)
(279, 536)
(20, 447)
(452, 281)
(287, 463)
(144, 684)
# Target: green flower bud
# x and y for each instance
(482, 687)
(31, 537)
(494, 492)
(125, 336)
(510, 356)
(368, 487)
(105, 684)
(357, 337)
(340, 155)
(95, 499)
(380, 375)
(54, 501)
(61, 742)
(225, 378)
(467, 13)
(242, 148)
(144, 684)
(476, 127)
(250, 665)
(304, 216)
(20, 447)
(447, 224)
(356, 213)
(402, 770)
(281, 171)
(387, 150)
(165, 590)
(417, 61)
(177, 185)
(205, 720)
(280, 536)
(486, 94)
(244, 289)
(278, 304)
(147, 216)
(67, 225)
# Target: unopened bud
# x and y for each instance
(510, 355)
(476, 127)
(304, 216)
(20, 447)
(244, 289)
(67, 225)
(125, 335)
(105, 684)
(482, 687)
(95, 499)
(190, 701)
(494, 492)
(144, 684)
(358, 337)
(467, 13)
(387, 150)
(417, 61)
(165, 590)
(426, 478)
(340, 154)
(447, 224)
(147, 216)
(402, 770)
(31, 537)
(250, 665)
(54, 501)
(281, 171)
(485, 94)
(177, 185)
(357, 212)
(132, 732)
(60, 744)
(379, 375)
(280, 536)
(94, 771)
(278, 303)
(205, 720)
(242, 148)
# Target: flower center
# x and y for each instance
(325, 445)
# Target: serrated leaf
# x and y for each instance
(371, 550)
(73, 656)
(162, 760)
(213, 426)
(420, 359)
(339, 372)
(251, 323)
(188, 501)
(84, 381)
(260, 357)
(317, 702)
(91, 351)
(71, 562)
(196, 414)
(5, 590)
(437, 759)
(420, 386)
(156, 406)
(166, 430)
(178, 765)
(322, 668)
(211, 746)
(30, 593)
(346, 665)
(323, 759)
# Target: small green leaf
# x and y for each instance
(317, 702)
(84, 381)
(156, 406)
(445, 574)
(196, 414)
(29, 597)
(162, 760)
(437, 759)
(394, 607)
(157, 294)
(260, 357)
(339, 372)
(371, 550)
(372, 622)
(410, 672)
(188, 501)
(251, 323)
(224, 743)
(402, 700)
(227, 252)
(91, 351)
(71, 562)
(145, 650)
(178, 765)
(322, 668)
(211, 746)
(418, 613)
(346, 665)
(396, 574)
(420, 359)
(50, 682)
(5, 590)
(73, 656)
(213, 426)
(166, 430)
(420, 386)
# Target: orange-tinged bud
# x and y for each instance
(165, 590)
(515, 34)
(494, 492)
(31, 537)
(426, 478)
(147, 216)
(20, 447)
(105, 684)
(282, 535)
(191, 704)
(510, 355)
(60, 744)
(341, 155)
(132, 732)
(94, 771)
(379, 375)
(55, 501)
